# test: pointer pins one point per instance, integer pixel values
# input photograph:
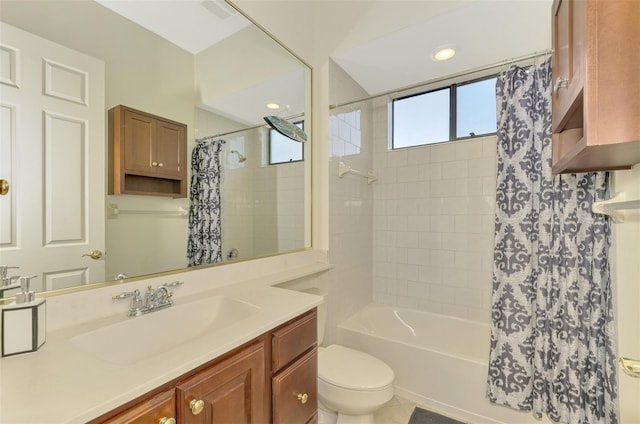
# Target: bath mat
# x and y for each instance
(422, 416)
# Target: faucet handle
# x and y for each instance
(126, 295)
(172, 284)
(136, 304)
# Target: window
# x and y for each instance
(459, 111)
(283, 149)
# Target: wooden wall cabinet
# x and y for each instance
(271, 379)
(595, 105)
(147, 154)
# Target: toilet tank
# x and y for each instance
(322, 312)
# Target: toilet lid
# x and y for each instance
(352, 369)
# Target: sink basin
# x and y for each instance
(138, 338)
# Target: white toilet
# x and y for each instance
(351, 384)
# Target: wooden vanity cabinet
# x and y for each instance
(295, 370)
(228, 392)
(147, 154)
(271, 379)
(595, 101)
(159, 409)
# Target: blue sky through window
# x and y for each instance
(421, 119)
(283, 149)
(426, 118)
(476, 108)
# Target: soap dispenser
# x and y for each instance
(24, 322)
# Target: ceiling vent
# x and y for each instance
(220, 8)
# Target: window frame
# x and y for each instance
(271, 131)
(453, 112)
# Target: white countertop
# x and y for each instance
(60, 383)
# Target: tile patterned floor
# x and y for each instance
(396, 411)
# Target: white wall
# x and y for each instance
(626, 272)
(142, 244)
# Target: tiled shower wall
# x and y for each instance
(350, 216)
(433, 215)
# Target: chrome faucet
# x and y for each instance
(153, 300)
(6, 282)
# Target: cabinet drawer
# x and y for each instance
(152, 410)
(290, 405)
(294, 339)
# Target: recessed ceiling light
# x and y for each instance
(443, 54)
(272, 106)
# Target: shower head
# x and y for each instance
(286, 128)
(241, 157)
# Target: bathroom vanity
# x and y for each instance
(239, 350)
(272, 378)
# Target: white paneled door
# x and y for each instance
(52, 152)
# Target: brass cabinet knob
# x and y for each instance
(154, 163)
(160, 164)
(96, 254)
(303, 398)
(4, 187)
(197, 406)
(167, 420)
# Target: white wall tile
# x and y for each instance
(408, 173)
(469, 149)
(418, 155)
(456, 169)
(443, 152)
(430, 218)
(431, 171)
(442, 293)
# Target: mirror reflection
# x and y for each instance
(200, 65)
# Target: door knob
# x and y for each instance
(4, 187)
(96, 254)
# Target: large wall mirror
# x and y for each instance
(64, 64)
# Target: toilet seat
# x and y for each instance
(351, 369)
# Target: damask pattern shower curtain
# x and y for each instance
(552, 338)
(205, 215)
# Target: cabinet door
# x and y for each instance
(152, 411)
(229, 392)
(295, 391)
(169, 150)
(569, 62)
(139, 132)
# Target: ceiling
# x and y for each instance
(483, 32)
(193, 25)
(382, 44)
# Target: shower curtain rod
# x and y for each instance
(447, 78)
(210, 137)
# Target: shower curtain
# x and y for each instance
(553, 347)
(205, 224)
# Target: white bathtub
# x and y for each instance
(439, 361)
